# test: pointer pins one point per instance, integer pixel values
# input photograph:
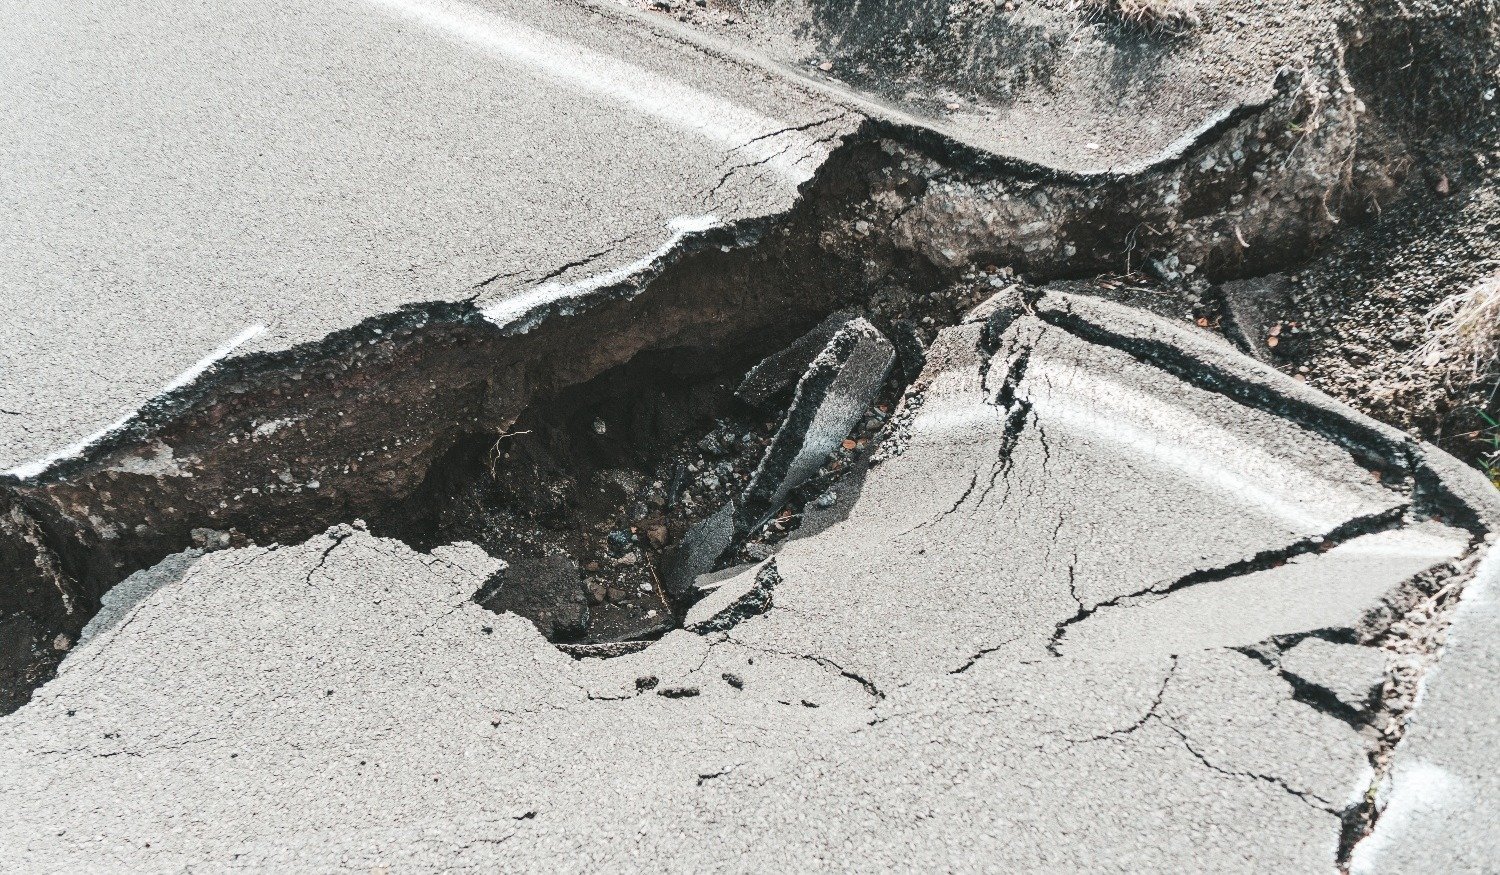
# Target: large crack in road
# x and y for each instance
(950, 502)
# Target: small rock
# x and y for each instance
(619, 542)
(657, 535)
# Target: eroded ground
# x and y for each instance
(1001, 556)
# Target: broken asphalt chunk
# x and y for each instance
(699, 550)
(781, 371)
(606, 650)
(911, 353)
(736, 600)
(831, 399)
(707, 583)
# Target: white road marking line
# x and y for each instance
(688, 109)
(512, 312)
(38, 466)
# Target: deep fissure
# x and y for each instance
(604, 432)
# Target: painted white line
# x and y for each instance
(1421, 792)
(512, 312)
(683, 107)
(38, 466)
(1187, 444)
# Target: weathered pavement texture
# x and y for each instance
(1045, 639)
(275, 172)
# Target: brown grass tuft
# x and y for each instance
(1463, 333)
(1173, 16)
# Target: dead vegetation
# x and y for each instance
(1157, 16)
(1463, 346)
(1463, 333)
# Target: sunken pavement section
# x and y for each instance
(1113, 596)
(798, 492)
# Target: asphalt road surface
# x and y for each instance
(187, 182)
(1108, 686)
(1115, 597)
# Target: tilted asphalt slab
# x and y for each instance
(1037, 642)
(189, 182)
(969, 672)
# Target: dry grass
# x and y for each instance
(1463, 333)
(1172, 16)
(1463, 344)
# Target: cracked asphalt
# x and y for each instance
(1111, 596)
(910, 691)
(186, 183)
